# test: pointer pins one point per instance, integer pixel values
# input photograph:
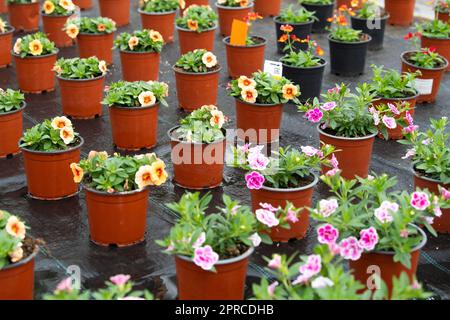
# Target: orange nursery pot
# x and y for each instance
(401, 12)
(3, 6)
(300, 197)
(48, 173)
(191, 40)
(227, 283)
(83, 4)
(228, 14)
(81, 98)
(5, 47)
(442, 46)
(117, 10)
(11, 127)
(197, 165)
(117, 218)
(245, 60)
(53, 27)
(34, 74)
(140, 66)
(163, 22)
(196, 89)
(24, 16)
(134, 128)
(188, 3)
(98, 45)
(268, 7)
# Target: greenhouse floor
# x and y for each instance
(63, 224)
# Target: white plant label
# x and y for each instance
(274, 68)
(424, 86)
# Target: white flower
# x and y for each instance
(209, 59)
(255, 239)
(147, 98)
(321, 282)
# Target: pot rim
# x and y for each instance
(435, 38)
(422, 243)
(275, 19)
(384, 17)
(351, 43)
(196, 73)
(346, 138)
(259, 104)
(139, 52)
(206, 30)
(287, 190)
(243, 256)
(131, 109)
(23, 261)
(156, 13)
(24, 104)
(424, 177)
(10, 29)
(251, 5)
(400, 99)
(431, 69)
(325, 62)
(57, 15)
(172, 138)
(95, 34)
(224, 40)
(35, 57)
(122, 193)
(318, 4)
(24, 4)
(80, 80)
(78, 146)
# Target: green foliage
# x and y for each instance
(291, 15)
(394, 112)
(426, 58)
(197, 61)
(369, 10)
(315, 1)
(345, 34)
(159, 5)
(10, 100)
(98, 25)
(301, 59)
(8, 242)
(54, 8)
(126, 94)
(198, 18)
(80, 68)
(434, 29)
(147, 41)
(389, 83)
(36, 44)
(442, 6)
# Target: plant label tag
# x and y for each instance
(424, 86)
(274, 68)
(239, 30)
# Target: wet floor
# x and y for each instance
(63, 224)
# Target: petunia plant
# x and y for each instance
(198, 18)
(11, 100)
(36, 44)
(97, 25)
(12, 236)
(389, 83)
(299, 58)
(391, 115)
(136, 94)
(161, 5)
(140, 41)
(80, 68)
(197, 61)
(235, 3)
(58, 7)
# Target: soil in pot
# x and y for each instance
(11, 127)
(196, 89)
(300, 30)
(164, 23)
(83, 4)
(53, 27)
(24, 17)
(117, 10)
(401, 12)
(34, 74)
(140, 66)
(134, 128)
(322, 12)
(268, 7)
(375, 28)
(228, 14)
(348, 58)
(197, 165)
(191, 40)
(245, 60)
(442, 46)
(5, 48)
(99, 45)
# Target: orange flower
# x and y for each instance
(217, 118)
(342, 21)
(101, 27)
(72, 30)
(244, 3)
(77, 172)
(182, 4)
(143, 177)
(147, 98)
(287, 28)
(249, 94)
(17, 254)
(133, 42)
(158, 173)
(192, 24)
(244, 82)
(15, 227)
(290, 91)
(67, 134)
(209, 59)
(252, 16)
(35, 47)
(320, 51)
(283, 38)
(17, 46)
(49, 7)
(60, 122)
(354, 3)
(156, 36)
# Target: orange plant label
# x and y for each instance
(239, 30)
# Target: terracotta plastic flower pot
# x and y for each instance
(163, 22)
(197, 165)
(441, 224)
(442, 46)
(98, 45)
(300, 197)
(11, 127)
(245, 60)
(348, 58)
(3, 6)
(24, 16)
(48, 173)
(53, 27)
(322, 12)
(140, 66)
(117, 10)
(196, 89)
(17, 279)
(228, 14)
(34, 74)
(300, 30)
(188, 3)
(354, 155)
(117, 218)
(191, 40)
(443, 16)
(134, 128)
(258, 123)
(5, 47)
(401, 11)
(348, 3)
(375, 28)
(83, 4)
(227, 283)
(82, 98)
(363, 269)
(268, 7)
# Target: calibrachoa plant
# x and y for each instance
(291, 15)
(36, 44)
(198, 18)
(340, 29)
(140, 41)
(80, 68)
(58, 7)
(389, 83)
(278, 217)
(10, 100)
(12, 233)
(4, 26)
(119, 173)
(161, 5)
(390, 115)
(136, 94)
(197, 61)
(235, 3)
(119, 287)
(89, 25)
(203, 125)
(366, 216)
(264, 88)
(50, 135)
(434, 29)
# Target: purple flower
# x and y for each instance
(314, 115)
(328, 106)
(254, 180)
(350, 249)
(327, 234)
(389, 122)
(334, 162)
(411, 128)
(267, 218)
(205, 257)
(120, 279)
(368, 238)
(332, 172)
(420, 200)
(376, 118)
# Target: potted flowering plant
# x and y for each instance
(196, 28)
(323, 10)
(16, 259)
(24, 14)
(116, 10)
(396, 118)
(81, 82)
(300, 22)
(212, 251)
(12, 104)
(6, 36)
(230, 10)
(259, 105)
(35, 56)
(160, 15)
(243, 60)
(95, 36)
(140, 54)
(117, 194)
(133, 112)
(83, 4)
(436, 34)
(198, 149)
(54, 16)
(48, 149)
(268, 7)
(197, 79)
(401, 12)
(442, 8)
(431, 164)
(376, 226)
(286, 177)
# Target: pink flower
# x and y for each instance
(334, 248)
(332, 172)
(267, 218)
(410, 129)
(334, 162)
(235, 209)
(327, 234)
(291, 216)
(350, 249)
(271, 288)
(301, 279)
(404, 233)
(437, 212)
(314, 115)
(409, 118)
(393, 108)
(327, 207)
(328, 106)
(311, 151)
(383, 215)
(445, 194)
(268, 206)
(245, 148)
(312, 266)
(65, 285)
(392, 206)
(205, 257)
(334, 90)
(120, 279)
(200, 240)
(254, 180)
(409, 153)
(368, 238)
(257, 161)
(420, 200)
(275, 263)
(255, 239)
(321, 282)
(372, 110)
(389, 122)
(430, 220)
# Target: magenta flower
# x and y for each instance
(334, 248)
(255, 239)
(275, 263)
(334, 90)
(389, 122)
(200, 240)
(332, 172)
(267, 218)
(327, 207)
(311, 151)
(65, 285)
(368, 238)
(120, 279)
(271, 288)
(291, 216)
(314, 115)
(268, 206)
(437, 212)
(350, 249)
(419, 200)
(410, 128)
(312, 266)
(430, 220)
(393, 108)
(205, 257)
(409, 118)
(445, 194)
(383, 215)
(327, 234)
(244, 148)
(257, 161)
(255, 180)
(321, 282)
(328, 106)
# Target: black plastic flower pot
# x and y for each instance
(301, 31)
(309, 79)
(322, 12)
(374, 28)
(348, 58)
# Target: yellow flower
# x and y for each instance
(67, 134)
(132, 42)
(77, 172)
(17, 254)
(147, 98)
(156, 36)
(192, 25)
(72, 30)
(17, 46)
(249, 94)
(49, 7)
(217, 118)
(244, 82)
(35, 47)
(143, 177)
(290, 91)
(102, 66)
(182, 4)
(158, 172)
(67, 4)
(15, 227)
(61, 122)
(209, 59)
